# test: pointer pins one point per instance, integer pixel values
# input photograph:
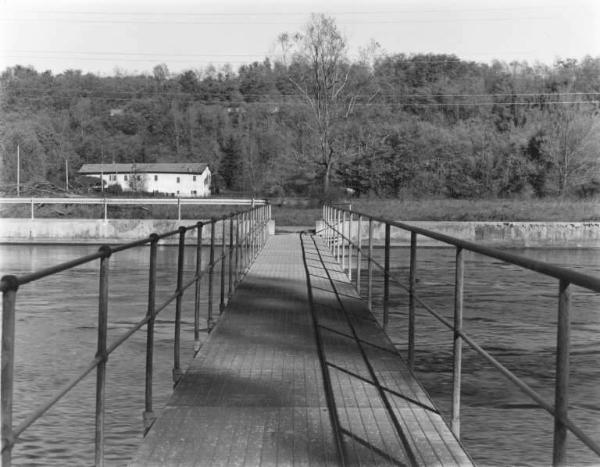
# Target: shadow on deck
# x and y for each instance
(256, 395)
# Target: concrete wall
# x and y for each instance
(114, 231)
(96, 231)
(512, 234)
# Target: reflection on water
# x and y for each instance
(511, 312)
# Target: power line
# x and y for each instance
(163, 21)
(361, 104)
(293, 13)
(408, 59)
(193, 54)
(107, 59)
(152, 92)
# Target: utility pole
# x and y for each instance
(18, 171)
(67, 175)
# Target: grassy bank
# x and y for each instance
(457, 210)
(305, 214)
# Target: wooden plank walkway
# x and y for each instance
(254, 394)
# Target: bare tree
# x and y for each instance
(320, 73)
(573, 144)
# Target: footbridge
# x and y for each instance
(296, 369)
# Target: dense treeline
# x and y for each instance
(393, 125)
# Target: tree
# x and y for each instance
(320, 73)
(572, 143)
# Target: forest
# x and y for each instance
(311, 122)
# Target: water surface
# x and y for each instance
(510, 311)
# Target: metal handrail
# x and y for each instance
(251, 228)
(136, 201)
(338, 235)
(176, 201)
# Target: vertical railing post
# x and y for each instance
(101, 355)
(211, 274)
(177, 372)
(458, 315)
(105, 210)
(334, 234)
(326, 219)
(223, 258)
(359, 253)
(370, 267)
(250, 236)
(324, 226)
(386, 277)
(32, 208)
(267, 220)
(178, 208)
(412, 284)
(350, 248)
(237, 249)
(148, 410)
(231, 262)
(243, 244)
(258, 227)
(197, 297)
(254, 233)
(330, 227)
(263, 226)
(338, 229)
(343, 229)
(261, 229)
(9, 297)
(561, 392)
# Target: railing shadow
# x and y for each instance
(352, 244)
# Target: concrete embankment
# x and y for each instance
(98, 231)
(114, 231)
(502, 234)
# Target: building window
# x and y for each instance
(125, 177)
(156, 178)
(178, 180)
(194, 178)
(138, 177)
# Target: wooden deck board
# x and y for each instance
(254, 393)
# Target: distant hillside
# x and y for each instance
(423, 125)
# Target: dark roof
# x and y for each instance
(185, 167)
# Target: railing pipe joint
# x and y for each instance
(105, 251)
(9, 283)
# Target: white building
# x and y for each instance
(184, 179)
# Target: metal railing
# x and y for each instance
(246, 232)
(105, 202)
(345, 240)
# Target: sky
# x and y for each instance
(132, 36)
